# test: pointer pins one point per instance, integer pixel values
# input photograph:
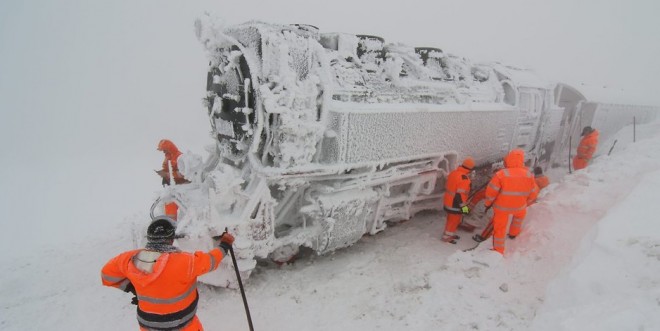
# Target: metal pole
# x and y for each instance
(634, 129)
(240, 285)
(611, 148)
(477, 190)
(170, 173)
(570, 146)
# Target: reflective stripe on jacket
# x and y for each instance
(457, 189)
(513, 187)
(167, 296)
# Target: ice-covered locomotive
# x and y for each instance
(321, 138)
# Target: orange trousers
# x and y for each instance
(500, 221)
(172, 210)
(453, 220)
(194, 325)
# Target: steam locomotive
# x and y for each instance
(321, 138)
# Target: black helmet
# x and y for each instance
(538, 171)
(586, 130)
(161, 229)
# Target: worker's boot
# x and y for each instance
(449, 238)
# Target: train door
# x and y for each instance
(530, 104)
(549, 127)
(571, 101)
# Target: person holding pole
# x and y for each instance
(509, 193)
(172, 154)
(170, 170)
(457, 189)
(163, 278)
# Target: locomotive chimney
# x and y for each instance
(368, 45)
(429, 52)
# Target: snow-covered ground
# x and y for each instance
(87, 89)
(588, 259)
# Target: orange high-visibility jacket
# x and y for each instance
(585, 150)
(167, 296)
(542, 181)
(457, 189)
(588, 145)
(172, 154)
(513, 187)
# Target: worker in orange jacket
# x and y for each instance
(164, 279)
(172, 154)
(508, 193)
(457, 189)
(541, 180)
(586, 149)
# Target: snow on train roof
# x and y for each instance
(520, 76)
(524, 77)
(606, 94)
(397, 80)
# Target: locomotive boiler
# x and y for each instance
(321, 138)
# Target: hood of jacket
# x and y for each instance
(515, 159)
(168, 147)
(143, 271)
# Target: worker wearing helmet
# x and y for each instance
(457, 190)
(586, 149)
(163, 279)
(508, 193)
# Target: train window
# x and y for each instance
(509, 94)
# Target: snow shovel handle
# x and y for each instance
(477, 190)
(240, 285)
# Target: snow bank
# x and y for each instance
(612, 282)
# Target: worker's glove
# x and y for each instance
(465, 210)
(131, 289)
(226, 241)
(165, 181)
(487, 207)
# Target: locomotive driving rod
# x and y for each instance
(240, 285)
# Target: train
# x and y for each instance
(321, 138)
